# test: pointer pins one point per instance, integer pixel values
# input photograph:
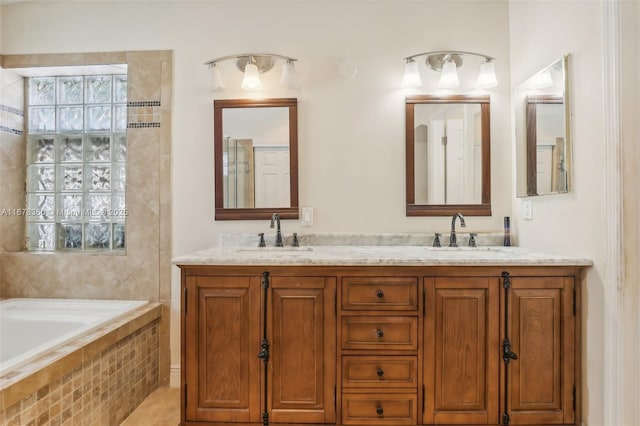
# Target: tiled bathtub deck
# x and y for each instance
(97, 379)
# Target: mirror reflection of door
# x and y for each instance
(550, 142)
(272, 176)
(448, 153)
(256, 168)
(238, 173)
(547, 171)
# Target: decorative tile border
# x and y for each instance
(12, 110)
(143, 114)
(143, 103)
(11, 120)
(141, 125)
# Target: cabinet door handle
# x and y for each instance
(379, 410)
(379, 333)
(380, 293)
(380, 372)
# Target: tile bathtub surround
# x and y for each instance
(99, 379)
(144, 272)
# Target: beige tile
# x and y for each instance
(63, 59)
(161, 408)
(144, 181)
(144, 75)
(142, 284)
(12, 196)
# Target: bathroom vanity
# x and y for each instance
(380, 335)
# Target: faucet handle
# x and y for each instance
(472, 239)
(261, 243)
(295, 242)
(436, 240)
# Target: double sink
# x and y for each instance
(307, 251)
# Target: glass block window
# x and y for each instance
(76, 163)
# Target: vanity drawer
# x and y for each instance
(391, 333)
(379, 371)
(379, 409)
(380, 293)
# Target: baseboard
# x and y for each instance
(174, 376)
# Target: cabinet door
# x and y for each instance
(303, 338)
(461, 350)
(541, 328)
(221, 346)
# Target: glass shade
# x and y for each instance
(411, 74)
(289, 78)
(251, 79)
(216, 78)
(449, 77)
(487, 76)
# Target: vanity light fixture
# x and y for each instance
(448, 62)
(252, 65)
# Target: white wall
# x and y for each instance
(574, 223)
(344, 123)
(630, 103)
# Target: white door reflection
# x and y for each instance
(448, 154)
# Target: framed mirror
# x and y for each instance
(448, 161)
(256, 158)
(543, 132)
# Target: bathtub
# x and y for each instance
(31, 327)
(76, 361)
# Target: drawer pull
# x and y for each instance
(379, 293)
(380, 372)
(379, 410)
(379, 333)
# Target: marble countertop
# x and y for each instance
(376, 255)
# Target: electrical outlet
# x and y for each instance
(306, 218)
(527, 210)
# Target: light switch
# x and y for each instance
(307, 216)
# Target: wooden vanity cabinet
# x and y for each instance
(541, 384)
(381, 345)
(381, 336)
(302, 332)
(461, 350)
(223, 320)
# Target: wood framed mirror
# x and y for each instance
(448, 164)
(256, 158)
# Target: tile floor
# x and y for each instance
(160, 408)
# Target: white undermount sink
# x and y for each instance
(275, 251)
(467, 249)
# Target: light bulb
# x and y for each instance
(216, 78)
(449, 77)
(251, 79)
(411, 74)
(289, 77)
(487, 76)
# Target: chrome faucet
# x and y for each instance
(452, 237)
(276, 219)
